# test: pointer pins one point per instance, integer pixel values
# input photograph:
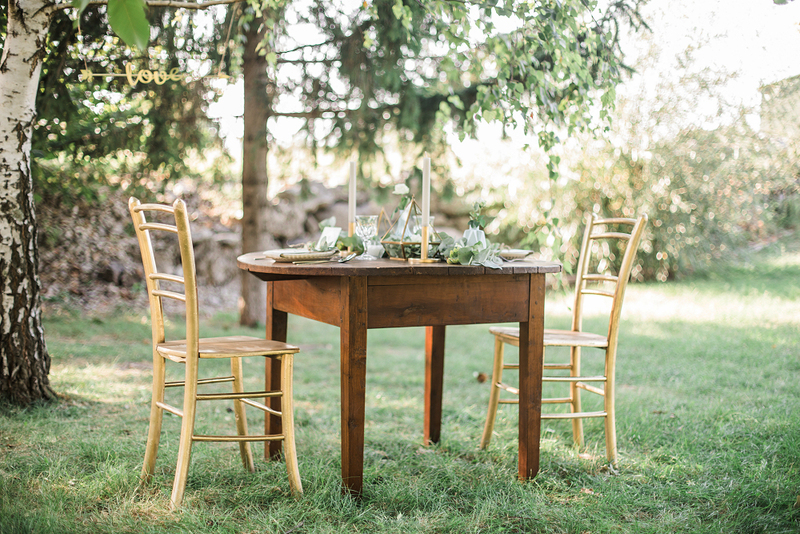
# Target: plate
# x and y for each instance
(515, 254)
(289, 255)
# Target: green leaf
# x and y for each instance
(465, 255)
(353, 242)
(456, 101)
(447, 244)
(128, 20)
(481, 256)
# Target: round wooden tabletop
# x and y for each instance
(257, 262)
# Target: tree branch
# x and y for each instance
(301, 47)
(321, 113)
(160, 3)
(310, 61)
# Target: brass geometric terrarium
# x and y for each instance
(403, 240)
(384, 223)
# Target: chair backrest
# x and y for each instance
(602, 240)
(154, 278)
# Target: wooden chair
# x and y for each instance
(193, 349)
(606, 284)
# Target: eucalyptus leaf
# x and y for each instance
(481, 256)
(465, 255)
(128, 20)
(446, 244)
(492, 264)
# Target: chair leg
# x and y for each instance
(241, 418)
(494, 392)
(156, 417)
(287, 422)
(611, 438)
(187, 431)
(575, 395)
(611, 416)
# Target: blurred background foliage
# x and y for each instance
(711, 181)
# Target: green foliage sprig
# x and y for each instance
(352, 242)
(457, 252)
(477, 219)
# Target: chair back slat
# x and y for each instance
(154, 278)
(598, 292)
(167, 277)
(154, 207)
(616, 220)
(610, 235)
(626, 244)
(159, 226)
(170, 295)
(601, 278)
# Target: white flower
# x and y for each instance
(401, 189)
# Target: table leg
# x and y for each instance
(434, 379)
(531, 359)
(353, 379)
(276, 330)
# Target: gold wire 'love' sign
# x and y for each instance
(144, 76)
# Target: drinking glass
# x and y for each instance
(367, 230)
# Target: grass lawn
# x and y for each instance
(708, 429)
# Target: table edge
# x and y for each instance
(256, 262)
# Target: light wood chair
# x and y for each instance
(193, 349)
(602, 281)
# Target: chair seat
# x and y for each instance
(553, 338)
(228, 347)
(568, 338)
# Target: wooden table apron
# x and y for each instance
(357, 296)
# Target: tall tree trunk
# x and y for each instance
(24, 361)
(257, 107)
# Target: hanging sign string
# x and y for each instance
(228, 40)
(146, 76)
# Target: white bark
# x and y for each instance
(24, 361)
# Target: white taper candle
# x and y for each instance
(351, 199)
(426, 191)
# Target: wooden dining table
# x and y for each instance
(359, 295)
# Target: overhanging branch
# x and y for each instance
(309, 61)
(322, 113)
(302, 47)
(160, 3)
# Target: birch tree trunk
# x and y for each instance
(257, 107)
(24, 361)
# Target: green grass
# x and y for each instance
(708, 429)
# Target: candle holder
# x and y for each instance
(424, 250)
(403, 243)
